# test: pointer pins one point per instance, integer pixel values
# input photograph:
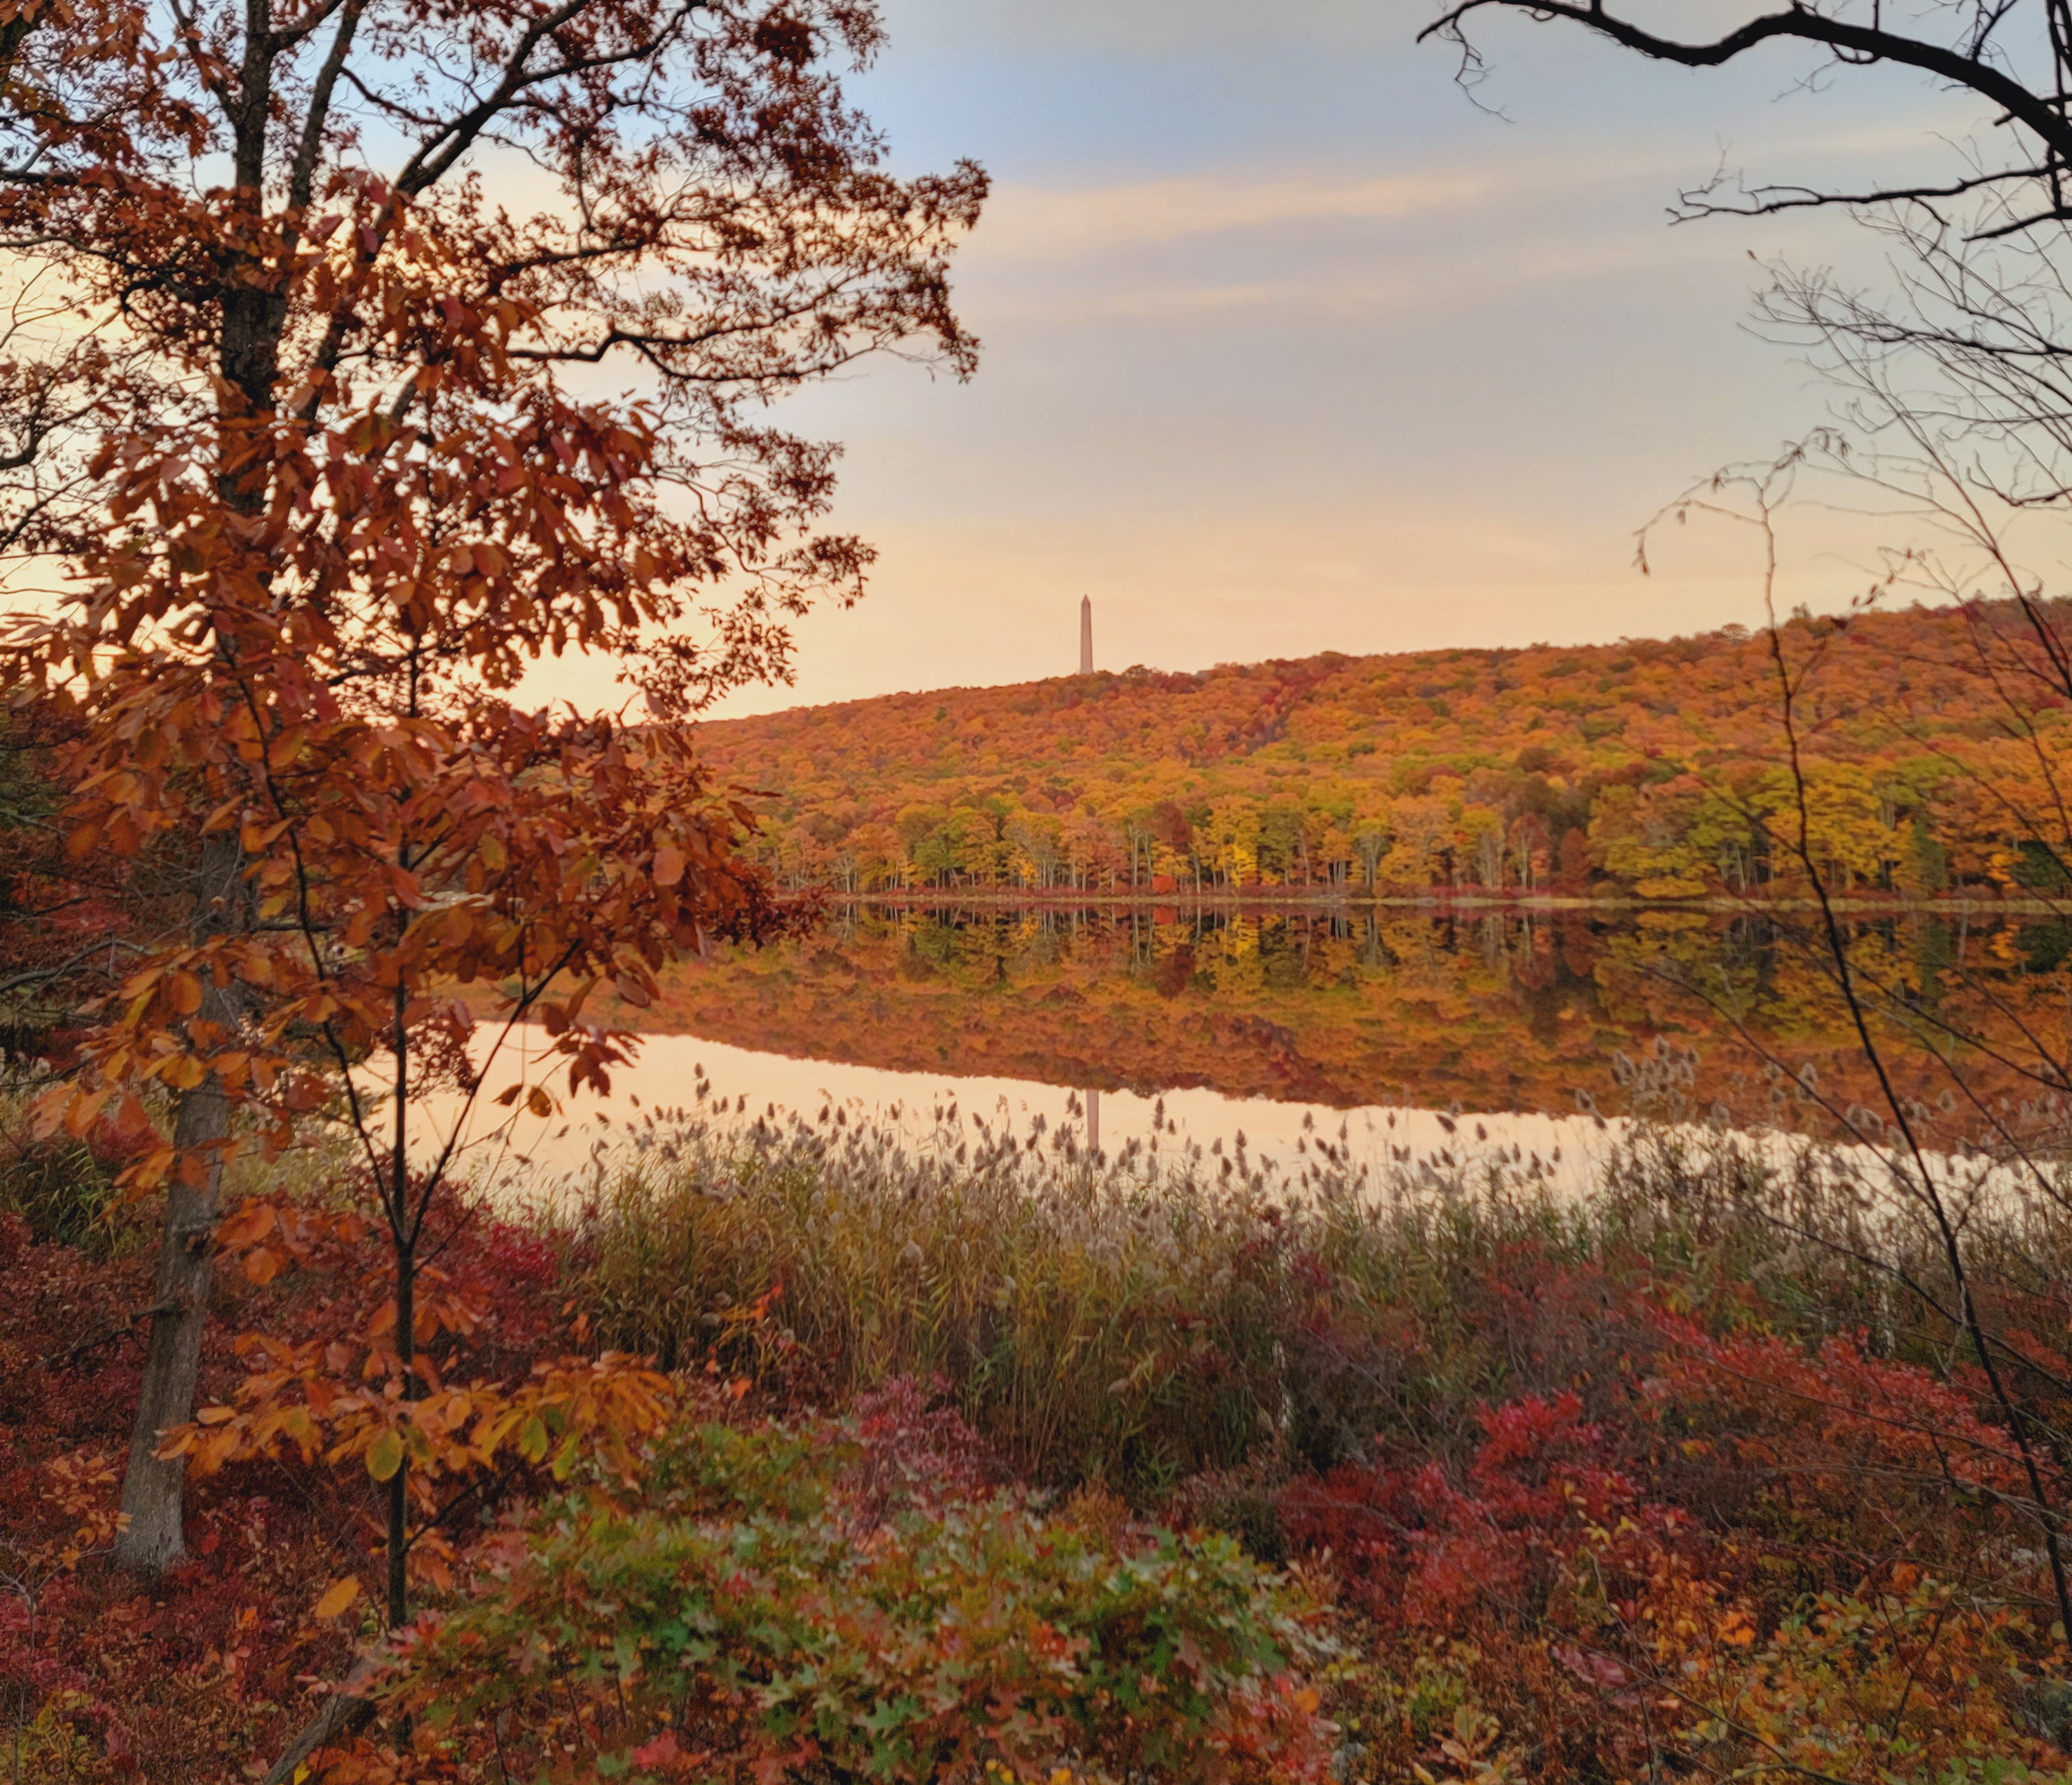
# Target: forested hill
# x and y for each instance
(1650, 765)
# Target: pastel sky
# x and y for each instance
(1289, 347)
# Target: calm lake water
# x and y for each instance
(1420, 1027)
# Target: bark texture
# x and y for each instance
(153, 1500)
(153, 1497)
(346, 1709)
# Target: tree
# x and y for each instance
(1951, 420)
(2015, 55)
(325, 453)
(1529, 849)
(1481, 840)
(880, 855)
(1643, 835)
(1033, 841)
(1232, 835)
(1371, 838)
(1421, 843)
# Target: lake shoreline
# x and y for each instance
(1253, 898)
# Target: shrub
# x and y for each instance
(765, 1607)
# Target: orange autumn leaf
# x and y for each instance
(339, 1596)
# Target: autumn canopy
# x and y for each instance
(365, 355)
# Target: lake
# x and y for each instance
(1427, 1026)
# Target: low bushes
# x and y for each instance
(764, 1609)
(986, 1462)
(1690, 1475)
(1141, 1322)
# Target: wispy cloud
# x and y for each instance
(1404, 283)
(1163, 27)
(1027, 222)
(1032, 223)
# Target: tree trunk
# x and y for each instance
(153, 1498)
(399, 1500)
(346, 1710)
(153, 1488)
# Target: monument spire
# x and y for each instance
(1086, 635)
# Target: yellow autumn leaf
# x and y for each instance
(384, 1455)
(1738, 1628)
(337, 1597)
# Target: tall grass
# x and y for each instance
(1145, 1318)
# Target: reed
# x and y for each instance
(1145, 1318)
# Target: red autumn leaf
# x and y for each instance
(655, 1753)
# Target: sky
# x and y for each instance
(1291, 346)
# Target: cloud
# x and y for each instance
(1139, 27)
(1407, 280)
(1032, 223)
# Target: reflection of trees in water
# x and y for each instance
(1964, 999)
(1277, 951)
(1493, 1008)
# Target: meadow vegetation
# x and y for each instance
(965, 1455)
(1686, 1474)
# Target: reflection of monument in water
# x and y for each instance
(1093, 1121)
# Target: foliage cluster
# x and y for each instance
(302, 422)
(1649, 1480)
(779, 1601)
(1652, 767)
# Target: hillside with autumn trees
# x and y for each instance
(1650, 767)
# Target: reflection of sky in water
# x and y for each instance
(678, 1079)
(1352, 1038)
(664, 1080)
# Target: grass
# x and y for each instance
(1445, 1395)
(1139, 1321)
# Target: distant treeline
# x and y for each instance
(1653, 767)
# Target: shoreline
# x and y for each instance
(1277, 899)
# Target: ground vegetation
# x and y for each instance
(976, 1457)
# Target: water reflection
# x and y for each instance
(684, 1079)
(1265, 1019)
(1489, 1011)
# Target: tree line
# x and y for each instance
(1648, 768)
